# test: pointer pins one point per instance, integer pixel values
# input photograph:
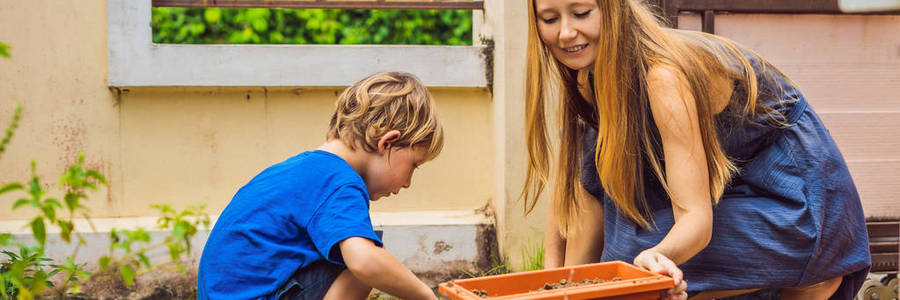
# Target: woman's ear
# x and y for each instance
(387, 140)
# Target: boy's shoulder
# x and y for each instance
(317, 165)
(310, 168)
(306, 180)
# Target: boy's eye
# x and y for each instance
(583, 14)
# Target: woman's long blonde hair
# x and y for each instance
(632, 40)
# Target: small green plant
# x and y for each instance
(498, 266)
(25, 274)
(533, 257)
(183, 225)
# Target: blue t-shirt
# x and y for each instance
(292, 214)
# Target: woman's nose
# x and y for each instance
(567, 31)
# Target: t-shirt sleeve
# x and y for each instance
(343, 215)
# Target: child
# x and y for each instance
(301, 228)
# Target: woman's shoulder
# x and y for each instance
(666, 81)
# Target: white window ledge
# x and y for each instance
(134, 60)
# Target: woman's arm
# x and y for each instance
(584, 244)
(675, 113)
(554, 243)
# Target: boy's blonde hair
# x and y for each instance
(387, 101)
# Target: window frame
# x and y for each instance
(135, 61)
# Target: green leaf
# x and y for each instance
(20, 202)
(66, 229)
(49, 212)
(5, 238)
(53, 272)
(11, 187)
(12, 255)
(4, 51)
(212, 15)
(96, 175)
(127, 274)
(40, 233)
(104, 262)
(71, 201)
(181, 228)
(53, 202)
(144, 260)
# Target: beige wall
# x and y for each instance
(189, 145)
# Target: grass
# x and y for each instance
(533, 257)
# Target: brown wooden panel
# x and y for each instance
(884, 247)
(762, 6)
(884, 262)
(889, 229)
(340, 4)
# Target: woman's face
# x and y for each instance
(570, 29)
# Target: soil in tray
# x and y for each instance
(555, 285)
(565, 283)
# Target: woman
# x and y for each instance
(686, 154)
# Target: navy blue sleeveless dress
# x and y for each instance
(791, 217)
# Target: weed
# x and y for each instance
(533, 257)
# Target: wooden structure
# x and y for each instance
(708, 8)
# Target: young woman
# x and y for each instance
(686, 154)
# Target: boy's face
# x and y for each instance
(393, 170)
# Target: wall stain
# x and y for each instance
(441, 247)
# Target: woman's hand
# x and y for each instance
(660, 264)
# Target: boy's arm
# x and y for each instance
(379, 269)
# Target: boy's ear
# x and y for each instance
(387, 140)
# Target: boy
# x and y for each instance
(301, 228)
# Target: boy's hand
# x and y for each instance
(660, 264)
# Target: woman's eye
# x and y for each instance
(549, 20)
(583, 14)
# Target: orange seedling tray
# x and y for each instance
(635, 283)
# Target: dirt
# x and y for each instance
(480, 293)
(155, 285)
(555, 285)
(565, 283)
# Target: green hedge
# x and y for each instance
(175, 25)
